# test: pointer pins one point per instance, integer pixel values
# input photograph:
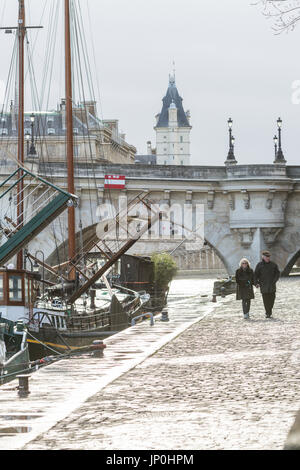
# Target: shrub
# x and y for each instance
(165, 269)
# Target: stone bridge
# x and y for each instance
(247, 208)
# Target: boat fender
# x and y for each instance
(98, 344)
(98, 348)
(46, 359)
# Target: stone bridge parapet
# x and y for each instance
(247, 208)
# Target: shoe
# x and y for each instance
(246, 316)
(268, 316)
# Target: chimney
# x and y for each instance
(149, 148)
(188, 115)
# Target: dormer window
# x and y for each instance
(75, 130)
(51, 131)
(4, 131)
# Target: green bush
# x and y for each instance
(165, 269)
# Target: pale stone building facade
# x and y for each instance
(95, 140)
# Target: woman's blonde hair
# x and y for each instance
(245, 260)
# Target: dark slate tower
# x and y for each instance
(173, 129)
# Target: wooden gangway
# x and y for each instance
(39, 201)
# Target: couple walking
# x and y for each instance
(265, 276)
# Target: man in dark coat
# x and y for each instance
(265, 276)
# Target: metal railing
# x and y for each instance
(33, 197)
(147, 314)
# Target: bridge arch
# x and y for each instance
(291, 262)
(219, 254)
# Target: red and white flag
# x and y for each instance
(114, 182)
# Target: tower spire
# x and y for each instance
(172, 76)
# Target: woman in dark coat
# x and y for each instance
(244, 277)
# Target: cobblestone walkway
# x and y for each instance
(225, 383)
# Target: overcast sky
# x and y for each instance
(228, 62)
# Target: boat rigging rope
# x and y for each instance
(43, 344)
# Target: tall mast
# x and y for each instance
(21, 36)
(69, 127)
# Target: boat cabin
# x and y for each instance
(17, 293)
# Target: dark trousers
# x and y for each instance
(246, 305)
(268, 300)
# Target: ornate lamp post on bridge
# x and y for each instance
(230, 157)
(32, 150)
(279, 154)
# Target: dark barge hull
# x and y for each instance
(49, 340)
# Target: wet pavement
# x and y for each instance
(221, 383)
(60, 388)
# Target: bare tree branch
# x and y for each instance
(285, 13)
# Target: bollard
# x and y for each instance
(164, 315)
(23, 388)
(98, 346)
(214, 298)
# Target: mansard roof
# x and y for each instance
(172, 95)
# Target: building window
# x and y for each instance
(4, 131)
(181, 138)
(27, 131)
(75, 130)
(15, 288)
(181, 162)
(76, 150)
(165, 162)
(51, 131)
